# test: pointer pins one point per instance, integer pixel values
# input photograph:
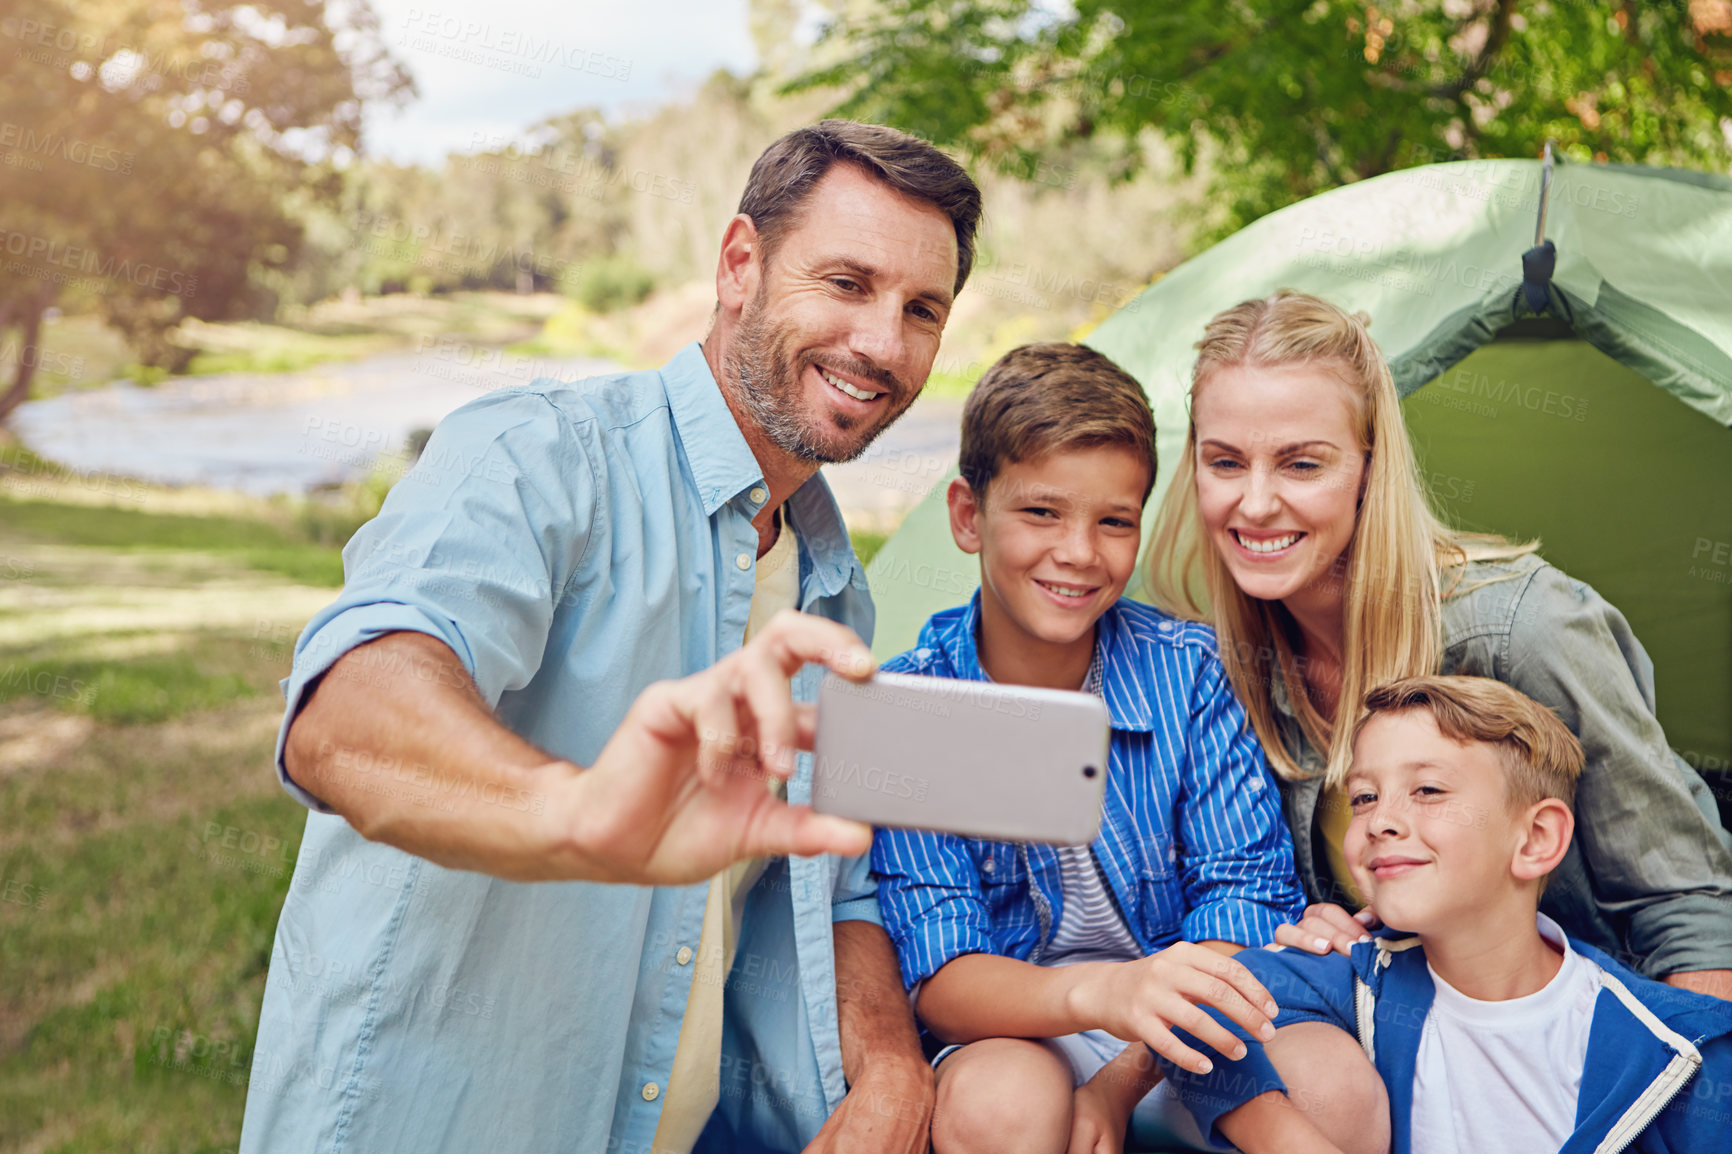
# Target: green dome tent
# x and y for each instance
(1599, 427)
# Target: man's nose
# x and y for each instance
(878, 335)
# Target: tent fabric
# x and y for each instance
(1433, 255)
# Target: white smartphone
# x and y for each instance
(1006, 762)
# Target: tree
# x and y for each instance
(152, 151)
(1288, 98)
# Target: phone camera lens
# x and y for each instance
(1088, 771)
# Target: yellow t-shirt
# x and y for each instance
(694, 1084)
(1334, 812)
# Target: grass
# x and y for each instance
(135, 946)
(145, 847)
(257, 348)
(254, 544)
(867, 543)
(80, 352)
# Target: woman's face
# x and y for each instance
(1279, 471)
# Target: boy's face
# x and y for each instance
(1057, 538)
(1433, 837)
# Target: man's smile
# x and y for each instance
(859, 393)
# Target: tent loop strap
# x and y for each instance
(1540, 261)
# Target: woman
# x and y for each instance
(1297, 511)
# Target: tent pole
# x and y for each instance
(1545, 197)
(1540, 261)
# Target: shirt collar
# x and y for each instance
(1278, 695)
(723, 467)
(817, 520)
(1125, 680)
(722, 463)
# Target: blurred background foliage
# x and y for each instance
(1288, 99)
(182, 161)
(162, 155)
(186, 188)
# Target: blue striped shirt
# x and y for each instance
(1192, 840)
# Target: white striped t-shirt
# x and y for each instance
(1090, 926)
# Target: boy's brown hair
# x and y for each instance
(1039, 398)
(1540, 756)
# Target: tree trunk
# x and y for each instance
(29, 356)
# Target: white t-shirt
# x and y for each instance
(1090, 927)
(1503, 1076)
(694, 1083)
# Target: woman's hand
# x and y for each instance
(1328, 927)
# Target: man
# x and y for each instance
(512, 615)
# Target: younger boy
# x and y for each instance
(1044, 962)
(1492, 1030)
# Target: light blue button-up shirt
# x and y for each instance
(571, 543)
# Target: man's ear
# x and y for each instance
(740, 266)
(1547, 828)
(964, 515)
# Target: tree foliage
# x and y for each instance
(154, 154)
(1287, 98)
(602, 211)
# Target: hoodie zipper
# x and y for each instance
(1686, 1060)
(1654, 1099)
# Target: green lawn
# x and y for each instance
(145, 846)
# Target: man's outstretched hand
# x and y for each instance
(682, 789)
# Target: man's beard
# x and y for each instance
(768, 385)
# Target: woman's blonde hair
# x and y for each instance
(1392, 570)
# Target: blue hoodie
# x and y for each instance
(1658, 1075)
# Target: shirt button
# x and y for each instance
(986, 866)
(684, 956)
(757, 495)
(651, 1091)
(744, 561)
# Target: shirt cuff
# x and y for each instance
(1683, 932)
(857, 910)
(1225, 1088)
(316, 653)
(918, 964)
(1238, 920)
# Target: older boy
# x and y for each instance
(1043, 962)
(1492, 1030)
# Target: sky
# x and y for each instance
(488, 69)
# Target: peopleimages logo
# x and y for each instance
(122, 64)
(510, 49)
(49, 254)
(59, 146)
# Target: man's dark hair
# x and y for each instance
(784, 176)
